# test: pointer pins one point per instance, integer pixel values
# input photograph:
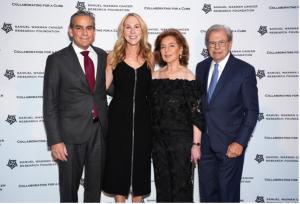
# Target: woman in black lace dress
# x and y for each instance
(177, 119)
(128, 158)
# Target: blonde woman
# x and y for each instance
(128, 159)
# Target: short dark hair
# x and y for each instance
(218, 27)
(82, 13)
(180, 39)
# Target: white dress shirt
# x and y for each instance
(220, 68)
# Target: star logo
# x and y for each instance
(9, 74)
(259, 199)
(7, 27)
(11, 119)
(262, 30)
(260, 116)
(259, 158)
(260, 74)
(204, 53)
(80, 6)
(206, 8)
(12, 163)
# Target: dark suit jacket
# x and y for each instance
(232, 112)
(68, 101)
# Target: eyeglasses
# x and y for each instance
(213, 44)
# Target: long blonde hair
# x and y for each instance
(118, 53)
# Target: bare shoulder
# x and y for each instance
(110, 58)
(109, 61)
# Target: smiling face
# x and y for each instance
(218, 45)
(82, 31)
(132, 30)
(170, 49)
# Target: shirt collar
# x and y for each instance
(78, 50)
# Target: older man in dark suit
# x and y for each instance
(230, 107)
(75, 110)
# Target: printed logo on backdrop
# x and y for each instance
(155, 31)
(25, 119)
(80, 6)
(37, 185)
(205, 53)
(276, 199)
(2, 186)
(260, 116)
(276, 158)
(281, 137)
(7, 27)
(281, 30)
(282, 95)
(262, 30)
(11, 119)
(281, 180)
(259, 199)
(9, 74)
(243, 53)
(260, 74)
(277, 74)
(284, 7)
(206, 8)
(12, 163)
(31, 119)
(47, 52)
(224, 8)
(25, 28)
(38, 5)
(104, 7)
(31, 141)
(278, 116)
(259, 158)
(168, 8)
(247, 179)
(23, 74)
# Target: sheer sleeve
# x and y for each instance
(193, 92)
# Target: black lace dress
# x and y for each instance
(175, 108)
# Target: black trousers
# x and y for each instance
(219, 176)
(88, 156)
(173, 171)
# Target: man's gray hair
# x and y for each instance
(218, 27)
(82, 13)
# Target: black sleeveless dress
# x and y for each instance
(128, 155)
(175, 108)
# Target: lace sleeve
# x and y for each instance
(193, 92)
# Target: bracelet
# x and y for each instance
(197, 144)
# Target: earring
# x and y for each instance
(180, 56)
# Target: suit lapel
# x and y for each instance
(225, 76)
(206, 73)
(100, 69)
(75, 64)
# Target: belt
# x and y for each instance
(95, 119)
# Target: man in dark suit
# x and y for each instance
(75, 110)
(230, 107)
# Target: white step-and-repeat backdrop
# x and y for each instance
(265, 35)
